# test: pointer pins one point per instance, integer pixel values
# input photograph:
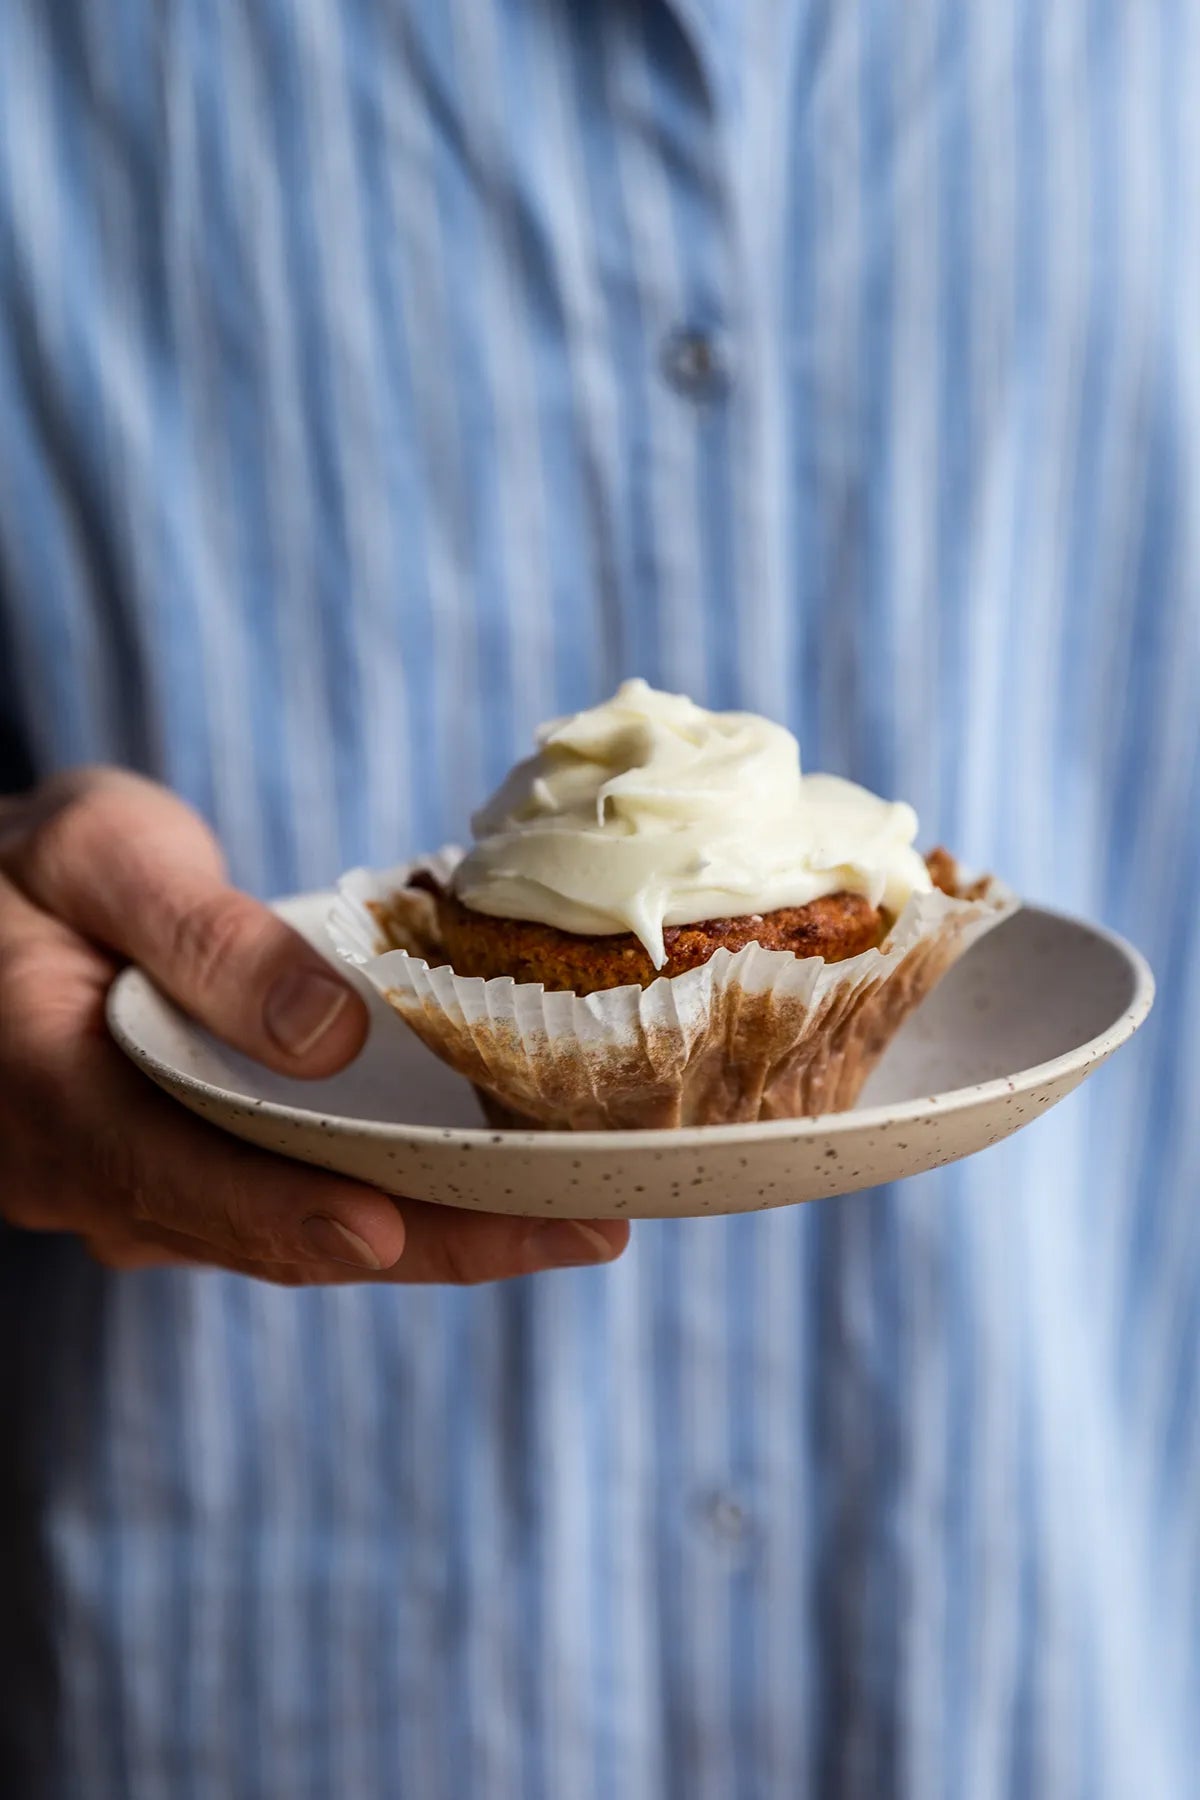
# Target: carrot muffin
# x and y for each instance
(834, 927)
(662, 921)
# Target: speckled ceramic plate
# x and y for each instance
(1027, 1014)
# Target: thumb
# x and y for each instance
(126, 864)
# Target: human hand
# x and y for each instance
(97, 866)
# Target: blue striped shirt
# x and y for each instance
(379, 377)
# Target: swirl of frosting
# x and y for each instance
(649, 811)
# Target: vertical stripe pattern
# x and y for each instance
(344, 435)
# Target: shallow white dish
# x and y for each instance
(1040, 1003)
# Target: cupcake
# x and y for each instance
(662, 921)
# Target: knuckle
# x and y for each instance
(198, 1199)
(42, 831)
(62, 836)
(460, 1268)
(26, 970)
(210, 934)
(242, 1226)
(51, 1003)
(234, 1229)
(147, 1196)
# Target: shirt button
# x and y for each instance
(693, 364)
(726, 1519)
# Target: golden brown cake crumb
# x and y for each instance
(946, 875)
(835, 927)
(943, 870)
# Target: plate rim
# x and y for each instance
(818, 1125)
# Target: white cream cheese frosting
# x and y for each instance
(649, 811)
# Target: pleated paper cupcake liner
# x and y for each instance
(752, 1034)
